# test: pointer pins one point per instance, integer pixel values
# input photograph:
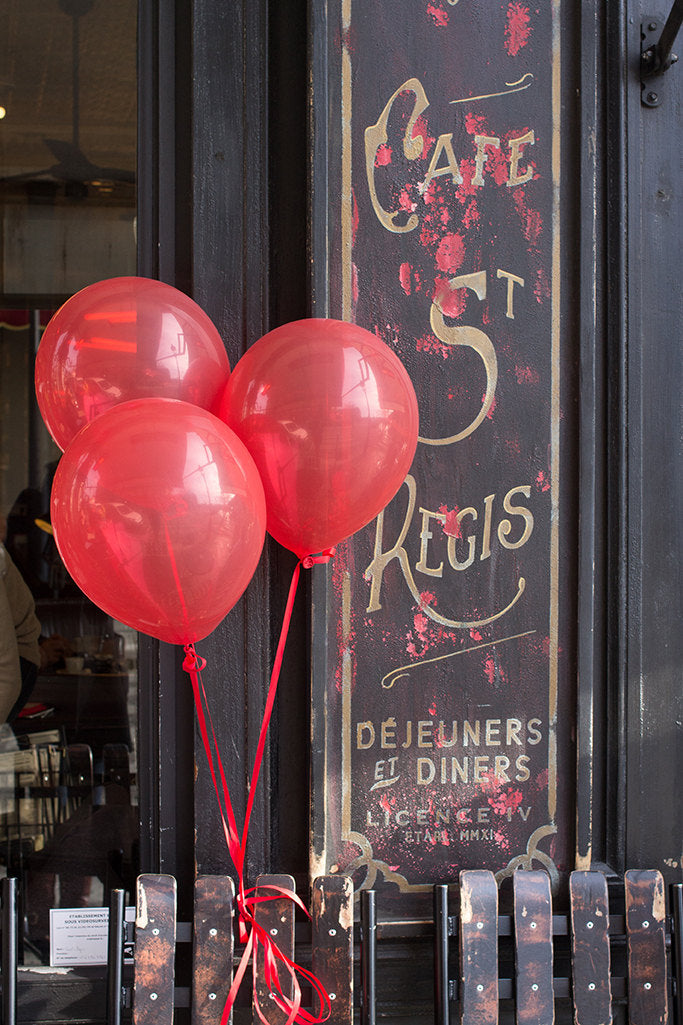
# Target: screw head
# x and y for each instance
(152, 996)
(645, 924)
(535, 986)
(480, 988)
(652, 97)
(480, 925)
(648, 985)
(332, 932)
(591, 985)
(213, 932)
(212, 996)
(532, 925)
(589, 925)
(273, 932)
(332, 996)
(155, 932)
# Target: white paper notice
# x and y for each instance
(78, 936)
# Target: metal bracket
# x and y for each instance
(656, 57)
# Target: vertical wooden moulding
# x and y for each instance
(478, 948)
(533, 948)
(591, 989)
(212, 947)
(646, 946)
(332, 944)
(155, 938)
(276, 917)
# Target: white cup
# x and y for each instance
(74, 664)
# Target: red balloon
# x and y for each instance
(329, 414)
(121, 339)
(159, 516)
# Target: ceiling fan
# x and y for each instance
(73, 173)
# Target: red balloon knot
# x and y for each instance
(319, 559)
(193, 663)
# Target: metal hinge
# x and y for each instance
(657, 40)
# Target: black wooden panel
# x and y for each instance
(155, 937)
(276, 916)
(478, 948)
(645, 930)
(332, 944)
(591, 987)
(533, 948)
(212, 947)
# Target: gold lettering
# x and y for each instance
(492, 732)
(515, 152)
(513, 726)
(474, 339)
(388, 732)
(426, 770)
(486, 538)
(409, 734)
(442, 742)
(534, 733)
(521, 766)
(502, 763)
(361, 743)
(512, 279)
(482, 156)
(471, 732)
(424, 736)
(425, 537)
(481, 767)
(376, 136)
(381, 560)
(504, 527)
(444, 144)
(471, 542)
(460, 770)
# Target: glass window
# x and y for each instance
(68, 766)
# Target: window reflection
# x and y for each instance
(68, 759)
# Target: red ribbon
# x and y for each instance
(251, 933)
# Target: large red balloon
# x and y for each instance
(121, 339)
(159, 516)
(329, 414)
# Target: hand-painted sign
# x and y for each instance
(443, 686)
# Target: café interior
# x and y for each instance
(68, 761)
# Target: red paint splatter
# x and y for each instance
(438, 15)
(431, 344)
(471, 217)
(542, 482)
(527, 375)
(354, 284)
(518, 29)
(427, 598)
(383, 155)
(432, 709)
(475, 124)
(420, 128)
(450, 253)
(404, 273)
(450, 301)
(466, 189)
(475, 635)
(450, 525)
(490, 668)
(405, 202)
(506, 800)
(492, 408)
(542, 286)
(532, 222)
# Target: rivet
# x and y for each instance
(332, 932)
(480, 925)
(155, 932)
(213, 932)
(652, 26)
(645, 924)
(535, 986)
(152, 996)
(212, 996)
(652, 97)
(332, 996)
(480, 988)
(591, 985)
(589, 925)
(648, 985)
(273, 932)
